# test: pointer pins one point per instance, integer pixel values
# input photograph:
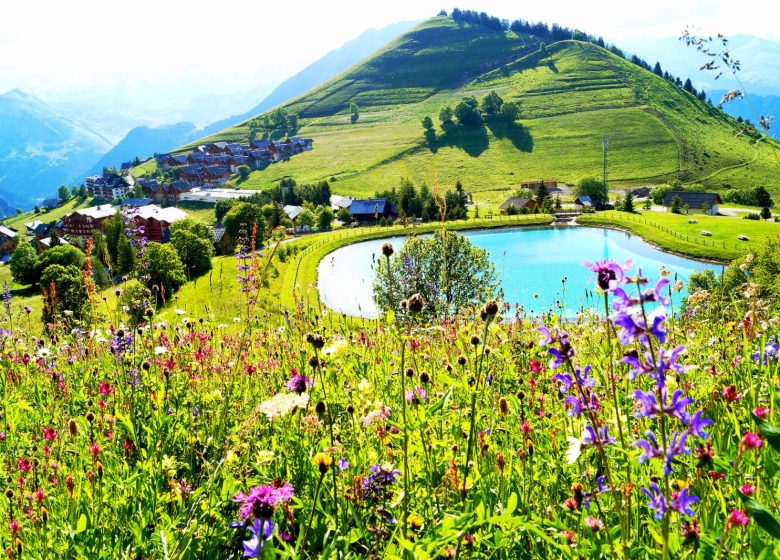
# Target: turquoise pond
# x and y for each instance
(532, 264)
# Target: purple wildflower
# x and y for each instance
(657, 501)
(261, 531)
(609, 273)
(299, 383)
(416, 395)
(261, 500)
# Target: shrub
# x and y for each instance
(164, 269)
(450, 274)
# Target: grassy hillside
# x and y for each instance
(571, 94)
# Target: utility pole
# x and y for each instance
(605, 146)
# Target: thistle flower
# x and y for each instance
(299, 384)
(261, 501)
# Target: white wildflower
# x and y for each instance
(282, 404)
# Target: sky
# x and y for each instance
(55, 48)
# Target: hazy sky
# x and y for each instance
(224, 45)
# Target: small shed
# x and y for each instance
(696, 202)
(518, 204)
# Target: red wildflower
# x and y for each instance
(730, 394)
(105, 388)
(761, 412)
(24, 465)
(49, 433)
(750, 441)
(737, 517)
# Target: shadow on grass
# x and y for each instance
(472, 140)
(518, 134)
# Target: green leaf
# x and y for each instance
(770, 432)
(438, 405)
(762, 516)
(81, 524)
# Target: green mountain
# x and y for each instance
(571, 95)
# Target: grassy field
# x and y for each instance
(571, 96)
(19, 220)
(673, 232)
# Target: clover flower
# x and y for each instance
(261, 501)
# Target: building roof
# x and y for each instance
(126, 166)
(46, 242)
(693, 199)
(515, 201)
(368, 206)
(97, 212)
(137, 202)
(32, 226)
(292, 211)
(584, 201)
(218, 170)
(169, 214)
(7, 232)
(337, 201)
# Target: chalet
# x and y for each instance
(38, 229)
(196, 157)
(148, 186)
(518, 204)
(8, 240)
(109, 185)
(259, 144)
(338, 202)
(305, 144)
(371, 210)
(533, 185)
(234, 162)
(83, 222)
(235, 149)
(126, 168)
(222, 242)
(216, 175)
(259, 158)
(217, 148)
(193, 174)
(156, 221)
(174, 161)
(695, 202)
(583, 202)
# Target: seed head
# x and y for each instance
(387, 250)
(416, 303)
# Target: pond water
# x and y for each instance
(531, 262)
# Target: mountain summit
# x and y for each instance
(366, 122)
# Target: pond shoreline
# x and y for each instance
(528, 257)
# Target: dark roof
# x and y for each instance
(583, 200)
(515, 201)
(693, 199)
(189, 169)
(126, 165)
(218, 170)
(137, 202)
(368, 206)
(259, 143)
(181, 184)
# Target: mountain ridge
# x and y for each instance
(571, 92)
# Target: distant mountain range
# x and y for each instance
(40, 148)
(759, 60)
(144, 141)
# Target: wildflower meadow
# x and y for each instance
(643, 431)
